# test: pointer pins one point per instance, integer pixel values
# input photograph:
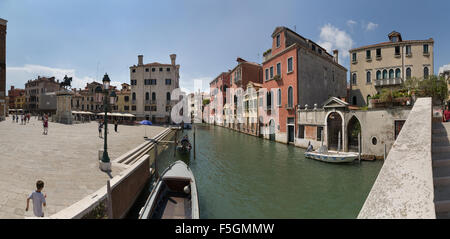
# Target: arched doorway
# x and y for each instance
(353, 129)
(334, 128)
(272, 130)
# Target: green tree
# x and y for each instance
(435, 87)
(206, 102)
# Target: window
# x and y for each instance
(319, 133)
(269, 99)
(397, 73)
(391, 74)
(152, 81)
(425, 72)
(425, 48)
(354, 57)
(133, 107)
(320, 51)
(384, 74)
(147, 108)
(146, 82)
(126, 107)
(133, 97)
(354, 79)
(147, 96)
(379, 52)
(127, 98)
(168, 69)
(278, 40)
(368, 57)
(313, 47)
(290, 97)
(368, 79)
(378, 75)
(153, 108)
(289, 65)
(279, 69)
(134, 70)
(271, 72)
(301, 131)
(153, 69)
(133, 82)
(153, 96)
(408, 73)
(160, 69)
(168, 81)
(146, 69)
(168, 96)
(394, 39)
(267, 74)
(408, 50)
(279, 97)
(397, 50)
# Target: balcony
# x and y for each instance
(289, 107)
(150, 102)
(388, 82)
(133, 102)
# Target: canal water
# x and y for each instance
(242, 176)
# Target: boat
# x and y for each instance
(332, 156)
(184, 145)
(174, 196)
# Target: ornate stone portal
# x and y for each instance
(64, 107)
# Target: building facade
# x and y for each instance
(387, 65)
(123, 102)
(3, 102)
(218, 86)
(35, 88)
(297, 73)
(16, 98)
(151, 89)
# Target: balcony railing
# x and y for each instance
(150, 102)
(388, 82)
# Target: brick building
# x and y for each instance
(35, 88)
(3, 103)
(218, 86)
(16, 98)
(297, 73)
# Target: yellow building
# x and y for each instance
(19, 101)
(387, 65)
(123, 102)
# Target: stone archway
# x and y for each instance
(334, 128)
(353, 129)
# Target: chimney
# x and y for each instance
(172, 58)
(336, 56)
(140, 60)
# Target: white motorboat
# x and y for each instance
(174, 196)
(332, 156)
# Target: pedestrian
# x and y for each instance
(21, 119)
(38, 200)
(115, 125)
(100, 125)
(28, 116)
(17, 118)
(447, 114)
(14, 118)
(45, 125)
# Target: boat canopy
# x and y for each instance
(178, 171)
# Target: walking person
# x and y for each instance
(45, 123)
(17, 118)
(38, 200)
(14, 118)
(21, 119)
(115, 125)
(100, 126)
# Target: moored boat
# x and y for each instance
(174, 196)
(332, 156)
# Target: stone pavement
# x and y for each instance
(66, 160)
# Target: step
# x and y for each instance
(443, 171)
(440, 138)
(442, 207)
(440, 156)
(440, 149)
(440, 131)
(443, 215)
(441, 181)
(441, 162)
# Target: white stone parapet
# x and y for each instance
(404, 187)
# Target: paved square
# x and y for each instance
(65, 159)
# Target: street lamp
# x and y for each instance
(105, 163)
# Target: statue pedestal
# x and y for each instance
(63, 108)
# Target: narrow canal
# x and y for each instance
(242, 176)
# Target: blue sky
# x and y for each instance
(85, 39)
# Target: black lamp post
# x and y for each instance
(112, 96)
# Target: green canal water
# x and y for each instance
(242, 176)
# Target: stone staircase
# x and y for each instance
(441, 168)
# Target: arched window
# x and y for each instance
(133, 97)
(354, 102)
(147, 96)
(279, 97)
(384, 74)
(290, 96)
(378, 75)
(391, 74)
(368, 77)
(397, 73)
(153, 96)
(408, 73)
(425, 72)
(354, 79)
(168, 96)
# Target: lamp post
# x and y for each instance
(105, 163)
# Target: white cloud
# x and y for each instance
(195, 84)
(371, 26)
(18, 76)
(351, 23)
(333, 38)
(444, 68)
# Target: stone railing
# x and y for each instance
(386, 82)
(404, 186)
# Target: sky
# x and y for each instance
(86, 39)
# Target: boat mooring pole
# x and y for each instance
(359, 147)
(339, 141)
(194, 142)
